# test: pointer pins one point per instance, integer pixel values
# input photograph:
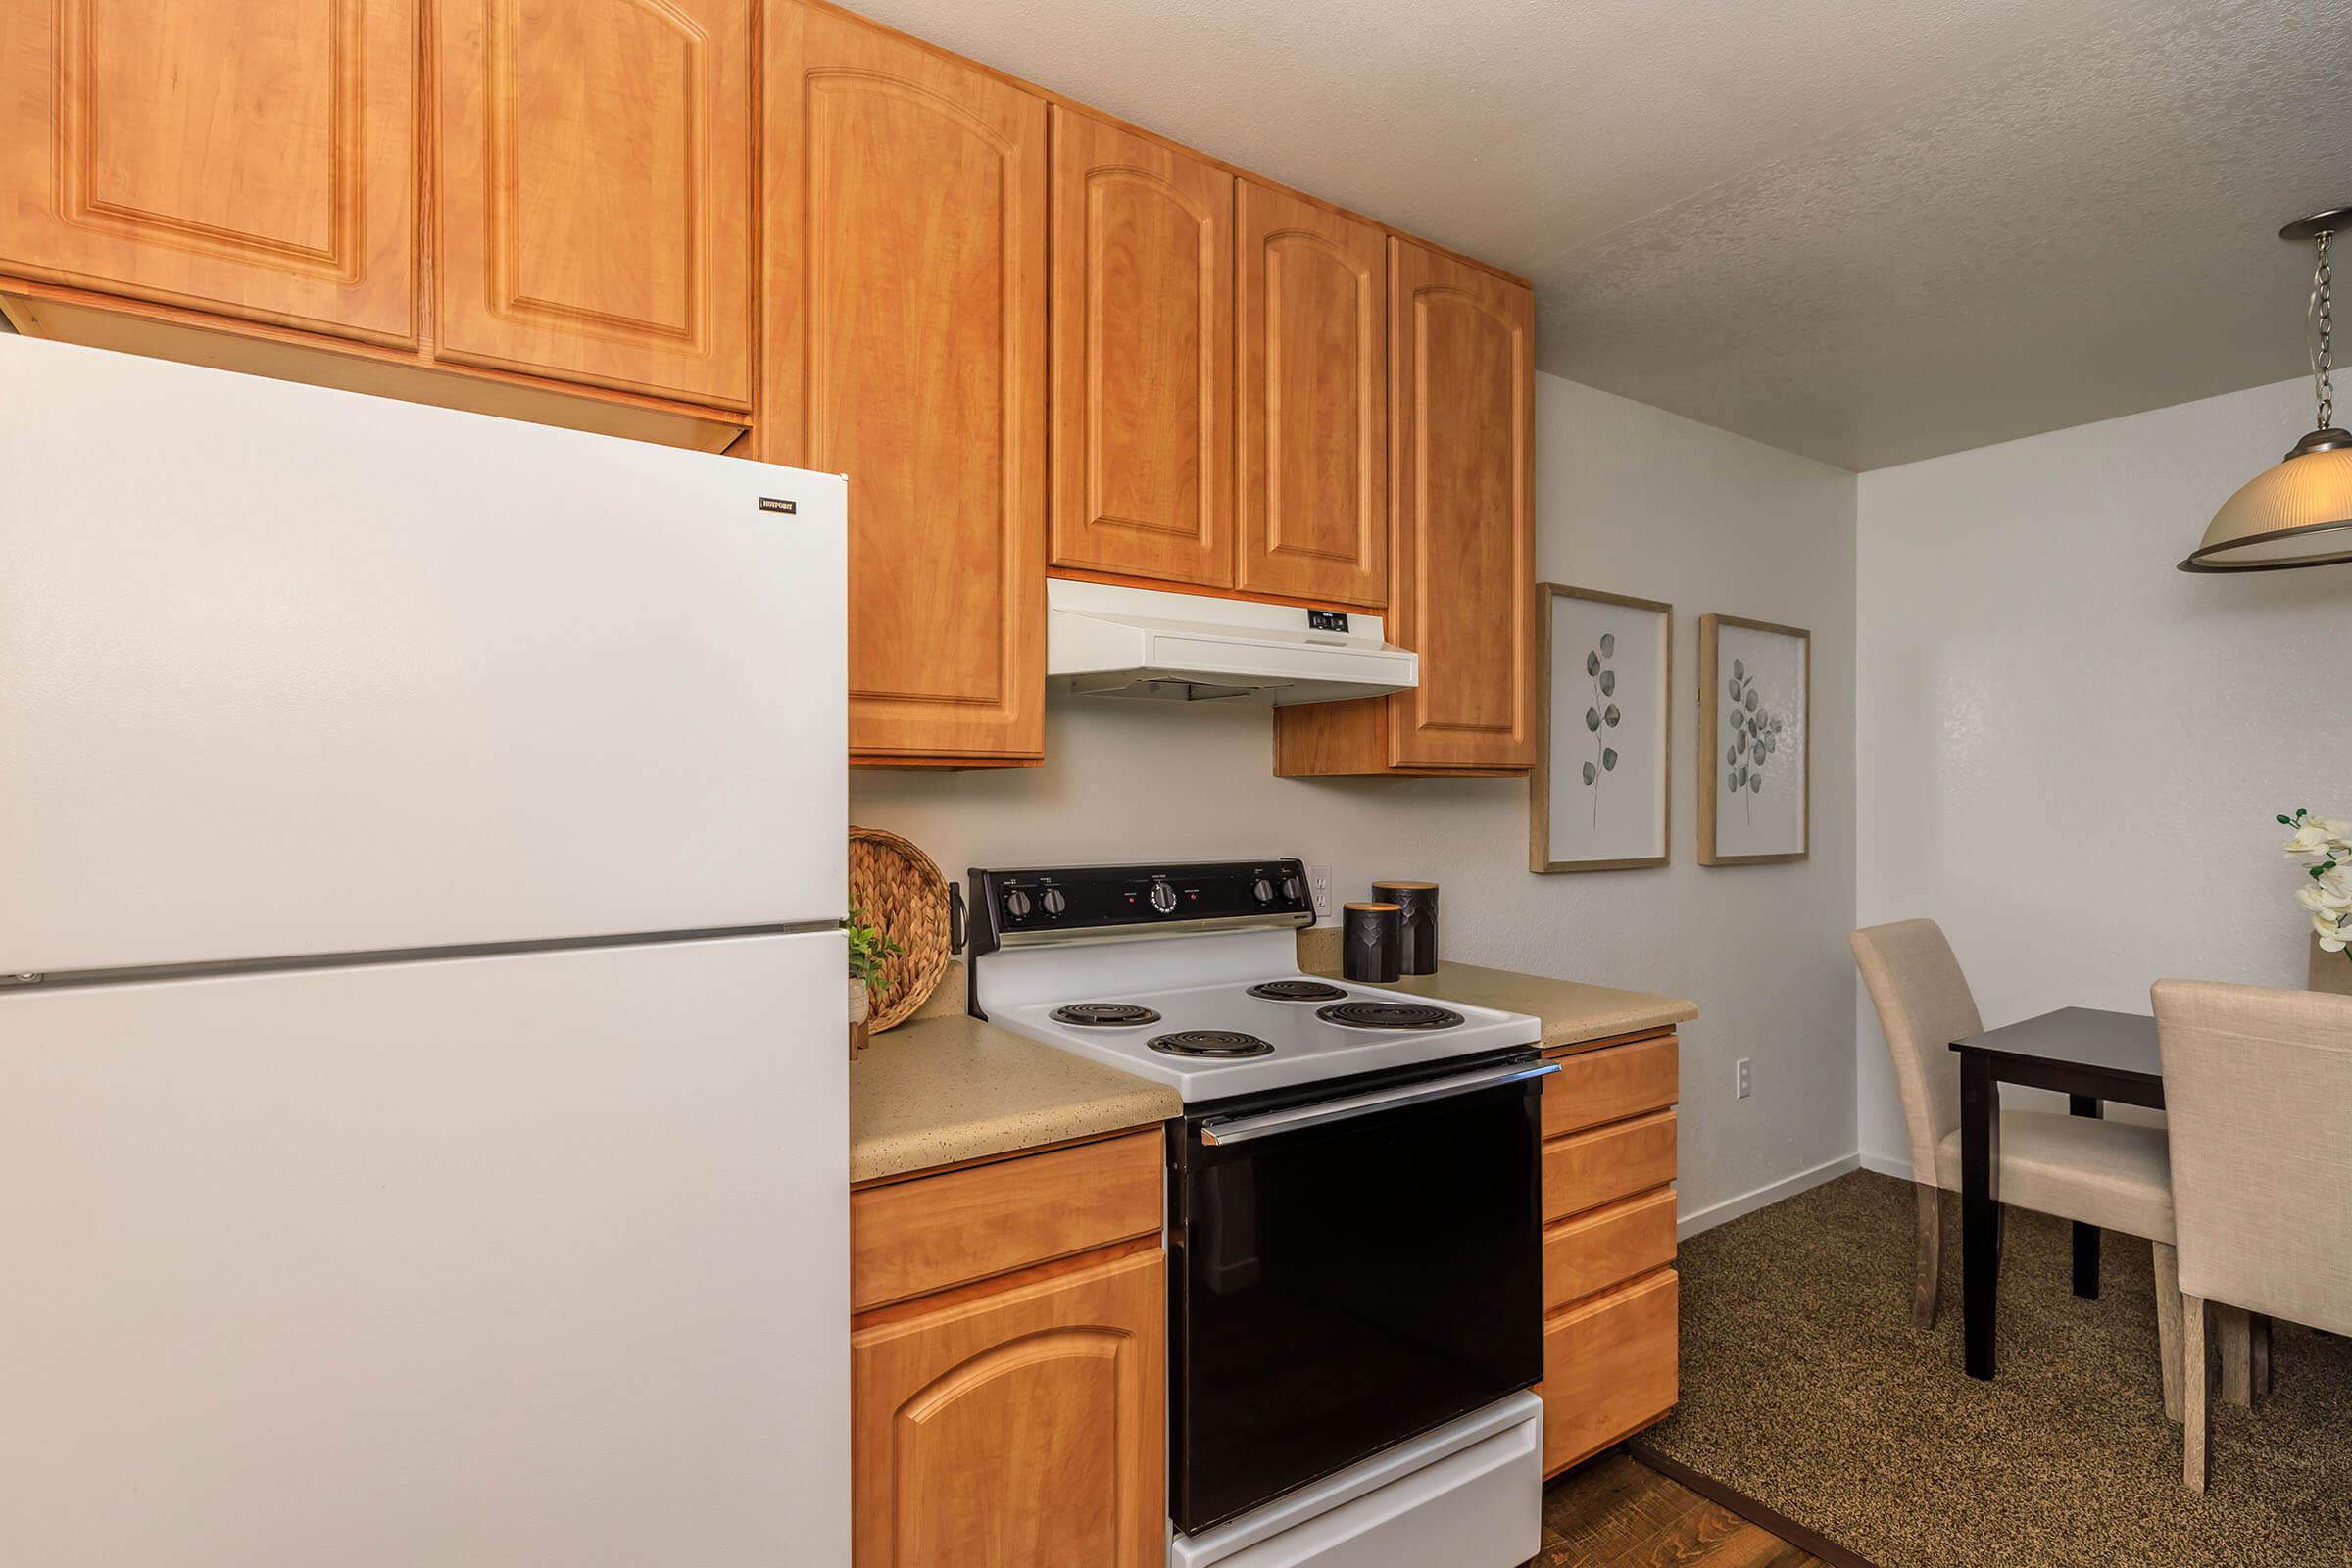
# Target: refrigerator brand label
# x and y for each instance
(773, 503)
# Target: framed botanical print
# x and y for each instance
(1755, 750)
(1598, 798)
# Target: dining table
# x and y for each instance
(2094, 1058)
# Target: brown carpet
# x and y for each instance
(1805, 1385)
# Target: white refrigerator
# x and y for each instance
(423, 1079)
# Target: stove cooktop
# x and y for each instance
(1231, 1036)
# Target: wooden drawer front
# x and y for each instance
(1600, 1086)
(1586, 1170)
(913, 1237)
(1608, 1368)
(1592, 1251)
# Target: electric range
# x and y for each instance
(1083, 958)
(1355, 1211)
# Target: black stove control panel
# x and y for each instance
(1016, 908)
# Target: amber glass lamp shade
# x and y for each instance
(2298, 514)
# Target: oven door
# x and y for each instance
(1353, 1268)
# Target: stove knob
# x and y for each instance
(1262, 891)
(1291, 886)
(1053, 900)
(1016, 904)
(1163, 896)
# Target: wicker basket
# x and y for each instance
(900, 889)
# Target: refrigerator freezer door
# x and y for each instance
(291, 670)
(530, 1259)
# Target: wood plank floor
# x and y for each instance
(1616, 1513)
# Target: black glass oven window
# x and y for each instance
(1346, 1287)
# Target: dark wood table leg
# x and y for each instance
(1980, 1208)
(2087, 1237)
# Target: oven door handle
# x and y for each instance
(1241, 1129)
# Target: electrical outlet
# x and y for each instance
(1318, 888)
(1743, 1080)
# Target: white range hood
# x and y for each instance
(1108, 641)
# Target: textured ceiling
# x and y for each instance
(1864, 231)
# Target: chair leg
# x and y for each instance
(2197, 1379)
(2233, 1333)
(2168, 1325)
(1927, 1273)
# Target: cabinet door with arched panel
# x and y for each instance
(1027, 1425)
(1462, 578)
(1143, 356)
(904, 344)
(1311, 314)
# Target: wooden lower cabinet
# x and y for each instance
(1026, 1427)
(1609, 1290)
(1008, 1362)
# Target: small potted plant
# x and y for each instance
(870, 947)
(2323, 847)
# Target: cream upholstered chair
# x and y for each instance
(2258, 1096)
(2111, 1174)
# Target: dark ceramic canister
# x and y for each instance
(1417, 921)
(1372, 941)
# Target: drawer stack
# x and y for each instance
(1610, 1345)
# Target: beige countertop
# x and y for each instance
(1572, 1012)
(944, 1087)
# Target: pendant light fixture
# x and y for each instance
(2298, 514)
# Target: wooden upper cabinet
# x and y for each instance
(1027, 1426)
(1312, 328)
(249, 158)
(594, 192)
(1461, 536)
(904, 346)
(1143, 356)
(1461, 372)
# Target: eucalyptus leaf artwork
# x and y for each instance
(1599, 718)
(1598, 786)
(1755, 736)
(1755, 700)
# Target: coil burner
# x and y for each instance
(1216, 1043)
(1298, 991)
(1389, 1015)
(1103, 1014)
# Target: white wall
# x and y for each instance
(1629, 499)
(2071, 753)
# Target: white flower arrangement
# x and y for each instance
(2322, 846)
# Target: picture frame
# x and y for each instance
(1755, 729)
(1606, 660)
